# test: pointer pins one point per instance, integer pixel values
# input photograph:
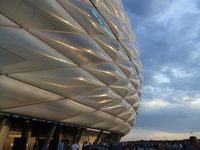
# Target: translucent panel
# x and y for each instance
(20, 52)
(120, 127)
(89, 119)
(139, 91)
(114, 25)
(98, 98)
(108, 73)
(39, 14)
(110, 123)
(112, 47)
(127, 67)
(137, 63)
(123, 87)
(126, 130)
(135, 80)
(131, 120)
(128, 33)
(113, 7)
(105, 5)
(86, 16)
(136, 106)
(116, 107)
(130, 48)
(127, 114)
(116, 122)
(56, 110)
(132, 98)
(120, 29)
(85, 1)
(133, 124)
(68, 82)
(141, 77)
(80, 48)
(117, 128)
(13, 96)
(6, 22)
(125, 18)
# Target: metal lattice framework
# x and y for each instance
(72, 61)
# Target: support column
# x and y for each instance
(2, 123)
(118, 138)
(98, 139)
(80, 135)
(22, 143)
(26, 134)
(105, 138)
(4, 129)
(78, 132)
(58, 133)
(26, 130)
(110, 139)
(50, 135)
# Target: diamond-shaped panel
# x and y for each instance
(67, 82)
(21, 52)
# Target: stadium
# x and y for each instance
(69, 70)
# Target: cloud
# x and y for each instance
(161, 78)
(168, 33)
(177, 72)
(155, 104)
(145, 8)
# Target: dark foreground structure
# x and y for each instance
(18, 133)
(69, 70)
(187, 144)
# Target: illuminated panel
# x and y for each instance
(55, 110)
(87, 16)
(14, 93)
(67, 82)
(80, 48)
(22, 52)
(39, 14)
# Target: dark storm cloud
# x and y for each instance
(168, 35)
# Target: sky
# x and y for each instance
(168, 36)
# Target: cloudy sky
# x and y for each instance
(168, 35)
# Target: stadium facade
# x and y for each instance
(69, 70)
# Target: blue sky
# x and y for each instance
(168, 35)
